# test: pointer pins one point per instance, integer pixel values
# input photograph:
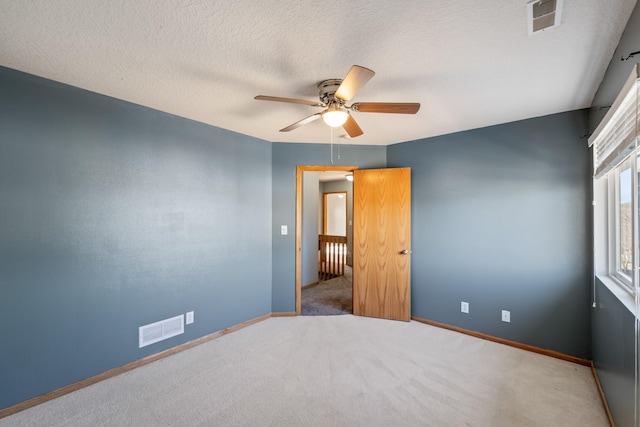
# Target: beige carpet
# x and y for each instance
(336, 371)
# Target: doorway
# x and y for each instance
(334, 245)
(321, 226)
(382, 241)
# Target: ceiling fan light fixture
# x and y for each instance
(335, 93)
(334, 117)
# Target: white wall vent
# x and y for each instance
(543, 14)
(158, 331)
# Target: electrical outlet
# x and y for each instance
(189, 317)
(464, 307)
(506, 316)
(283, 230)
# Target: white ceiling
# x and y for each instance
(469, 63)
(327, 176)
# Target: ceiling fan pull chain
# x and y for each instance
(331, 145)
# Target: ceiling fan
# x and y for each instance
(334, 95)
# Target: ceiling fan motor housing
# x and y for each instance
(327, 90)
(336, 111)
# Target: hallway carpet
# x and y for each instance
(330, 297)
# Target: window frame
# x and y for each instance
(616, 141)
(629, 283)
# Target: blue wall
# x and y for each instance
(501, 219)
(285, 159)
(310, 202)
(613, 353)
(613, 324)
(113, 216)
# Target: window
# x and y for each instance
(616, 164)
(623, 240)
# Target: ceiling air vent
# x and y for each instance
(543, 14)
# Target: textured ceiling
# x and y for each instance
(469, 63)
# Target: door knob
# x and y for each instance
(405, 252)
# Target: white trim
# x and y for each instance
(615, 240)
(634, 220)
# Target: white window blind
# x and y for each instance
(619, 130)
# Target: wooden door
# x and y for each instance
(382, 243)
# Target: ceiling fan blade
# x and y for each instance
(352, 128)
(386, 107)
(355, 79)
(301, 122)
(290, 100)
